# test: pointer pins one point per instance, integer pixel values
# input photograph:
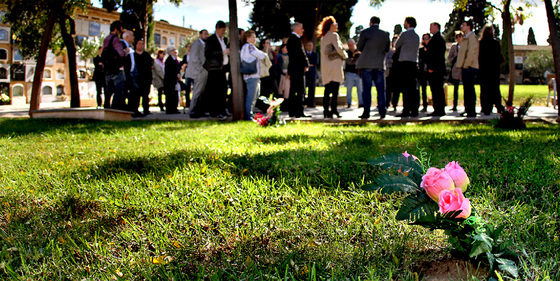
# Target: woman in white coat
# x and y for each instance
(250, 53)
(332, 62)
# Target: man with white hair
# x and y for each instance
(196, 72)
(351, 73)
(296, 71)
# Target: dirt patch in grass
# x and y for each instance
(449, 268)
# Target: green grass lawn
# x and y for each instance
(203, 200)
(538, 92)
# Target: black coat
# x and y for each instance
(490, 57)
(214, 53)
(296, 53)
(172, 68)
(435, 54)
(144, 63)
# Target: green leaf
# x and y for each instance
(409, 166)
(417, 207)
(482, 244)
(508, 266)
(388, 184)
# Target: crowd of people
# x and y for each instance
(404, 64)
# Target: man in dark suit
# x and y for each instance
(407, 50)
(311, 74)
(99, 77)
(296, 71)
(435, 61)
(171, 81)
(144, 64)
(216, 52)
(374, 45)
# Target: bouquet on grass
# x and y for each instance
(272, 116)
(436, 200)
(512, 117)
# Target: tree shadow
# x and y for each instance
(21, 127)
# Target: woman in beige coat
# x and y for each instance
(332, 61)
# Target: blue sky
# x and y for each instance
(203, 14)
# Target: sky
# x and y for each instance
(203, 14)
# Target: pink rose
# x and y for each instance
(453, 200)
(270, 111)
(458, 175)
(436, 181)
(406, 154)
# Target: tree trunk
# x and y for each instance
(315, 24)
(72, 64)
(554, 41)
(38, 76)
(234, 60)
(507, 24)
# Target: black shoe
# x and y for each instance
(436, 114)
(403, 115)
(335, 113)
(360, 106)
(471, 115)
(303, 116)
(414, 114)
(363, 116)
(348, 106)
(327, 114)
(462, 114)
(424, 109)
(137, 114)
(382, 116)
(147, 113)
(454, 109)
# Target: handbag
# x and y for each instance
(332, 54)
(249, 67)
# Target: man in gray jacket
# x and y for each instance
(374, 44)
(407, 50)
(195, 70)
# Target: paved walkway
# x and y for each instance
(348, 115)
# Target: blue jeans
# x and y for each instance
(115, 88)
(377, 77)
(353, 79)
(469, 76)
(253, 89)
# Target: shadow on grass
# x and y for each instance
(22, 127)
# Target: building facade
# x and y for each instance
(16, 75)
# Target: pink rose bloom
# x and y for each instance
(435, 181)
(406, 154)
(453, 200)
(458, 175)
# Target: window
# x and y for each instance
(17, 90)
(3, 54)
(60, 90)
(171, 42)
(3, 73)
(60, 73)
(17, 55)
(4, 35)
(47, 73)
(164, 40)
(157, 39)
(46, 91)
(94, 28)
(79, 39)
